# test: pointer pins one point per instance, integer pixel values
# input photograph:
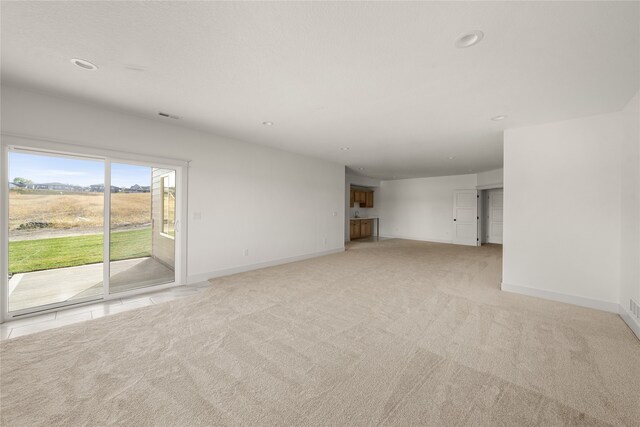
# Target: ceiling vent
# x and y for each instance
(169, 116)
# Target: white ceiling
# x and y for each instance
(384, 79)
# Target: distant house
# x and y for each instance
(55, 186)
(99, 188)
(138, 189)
(13, 185)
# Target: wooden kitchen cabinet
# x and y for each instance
(368, 199)
(360, 228)
(355, 229)
(363, 197)
(365, 228)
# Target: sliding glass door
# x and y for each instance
(142, 244)
(82, 229)
(55, 230)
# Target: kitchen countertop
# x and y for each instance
(366, 217)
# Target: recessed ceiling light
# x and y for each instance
(498, 118)
(469, 39)
(345, 148)
(267, 123)
(452, 157)
(83, 64)
(360, 169)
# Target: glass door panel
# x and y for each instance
(142, 244)
(56, 235)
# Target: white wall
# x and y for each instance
(492, 178)
(422, 208)
(562, 211)
(277, 204)
(630, 207)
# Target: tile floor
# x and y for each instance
(42, 322)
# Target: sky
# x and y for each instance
(74, 171)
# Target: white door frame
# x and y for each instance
(12, 142)
(4, 226)
(481, 206)
(490, 215)
(484, 206)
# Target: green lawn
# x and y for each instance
(44, 254)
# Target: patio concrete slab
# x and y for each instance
(40, 288)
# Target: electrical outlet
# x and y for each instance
(246, 252)
(197, 216)
(634, 308)
(324, 241)
(335, 213)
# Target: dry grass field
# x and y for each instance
(76, 210)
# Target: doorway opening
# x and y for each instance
(490, 221)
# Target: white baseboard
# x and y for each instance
(249, 267)
(418, 239)
(611, 307)
(630, 320)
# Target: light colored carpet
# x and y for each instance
(394, 332)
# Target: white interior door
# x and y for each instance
(465, 217)
(496, 198)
